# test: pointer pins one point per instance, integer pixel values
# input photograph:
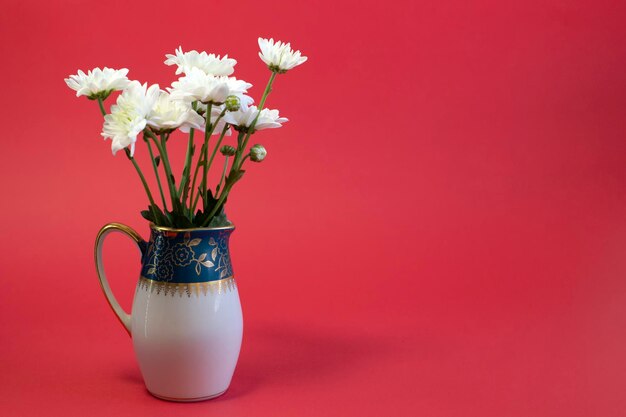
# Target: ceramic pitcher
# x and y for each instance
(186, 322)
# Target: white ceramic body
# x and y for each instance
(187, 344)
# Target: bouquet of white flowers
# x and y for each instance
(206, 98)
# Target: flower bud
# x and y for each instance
(257, 153)
(228, 150)
(232, 103)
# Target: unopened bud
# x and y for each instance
(257, 153)
(232, 103)
(228, 150)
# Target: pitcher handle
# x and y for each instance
(106, 289)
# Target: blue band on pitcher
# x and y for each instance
(187, 256)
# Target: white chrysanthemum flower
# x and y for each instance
(168, 114)
(279, 56)
(198, 86)
(98, 83)
(210, 64)
(128, 115)
(243, 118)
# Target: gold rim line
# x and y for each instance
(193, 229)
(220, 286)
(185, 283)
(119, 227)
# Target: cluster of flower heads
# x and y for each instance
(206, 82)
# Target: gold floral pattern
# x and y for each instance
(168, 254)
(196, 288)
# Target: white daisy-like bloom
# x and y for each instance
(243, 118)
(205, 88)
(168, 114)
(128, 115)
(199, 86)
(279, 56)
(210, 64)
(98, 83)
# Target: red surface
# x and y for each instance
(440, 229)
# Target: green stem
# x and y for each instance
(195, 201)
(217, 189)
(192, 202)
(207, 136)
(268, 90)
(156, 172)
(219, 141)
(166, 166)
(145, 184)
(166, 163)
(227, 186)
(184, 189)
(101, 104)
(217, 145)
(240, 147)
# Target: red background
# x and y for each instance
(439, 230)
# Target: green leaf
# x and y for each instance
(157, 160)
(147, 214)
(180, 221)
(161, 219)
(210, 202)
(235, 176)
(219, 220)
